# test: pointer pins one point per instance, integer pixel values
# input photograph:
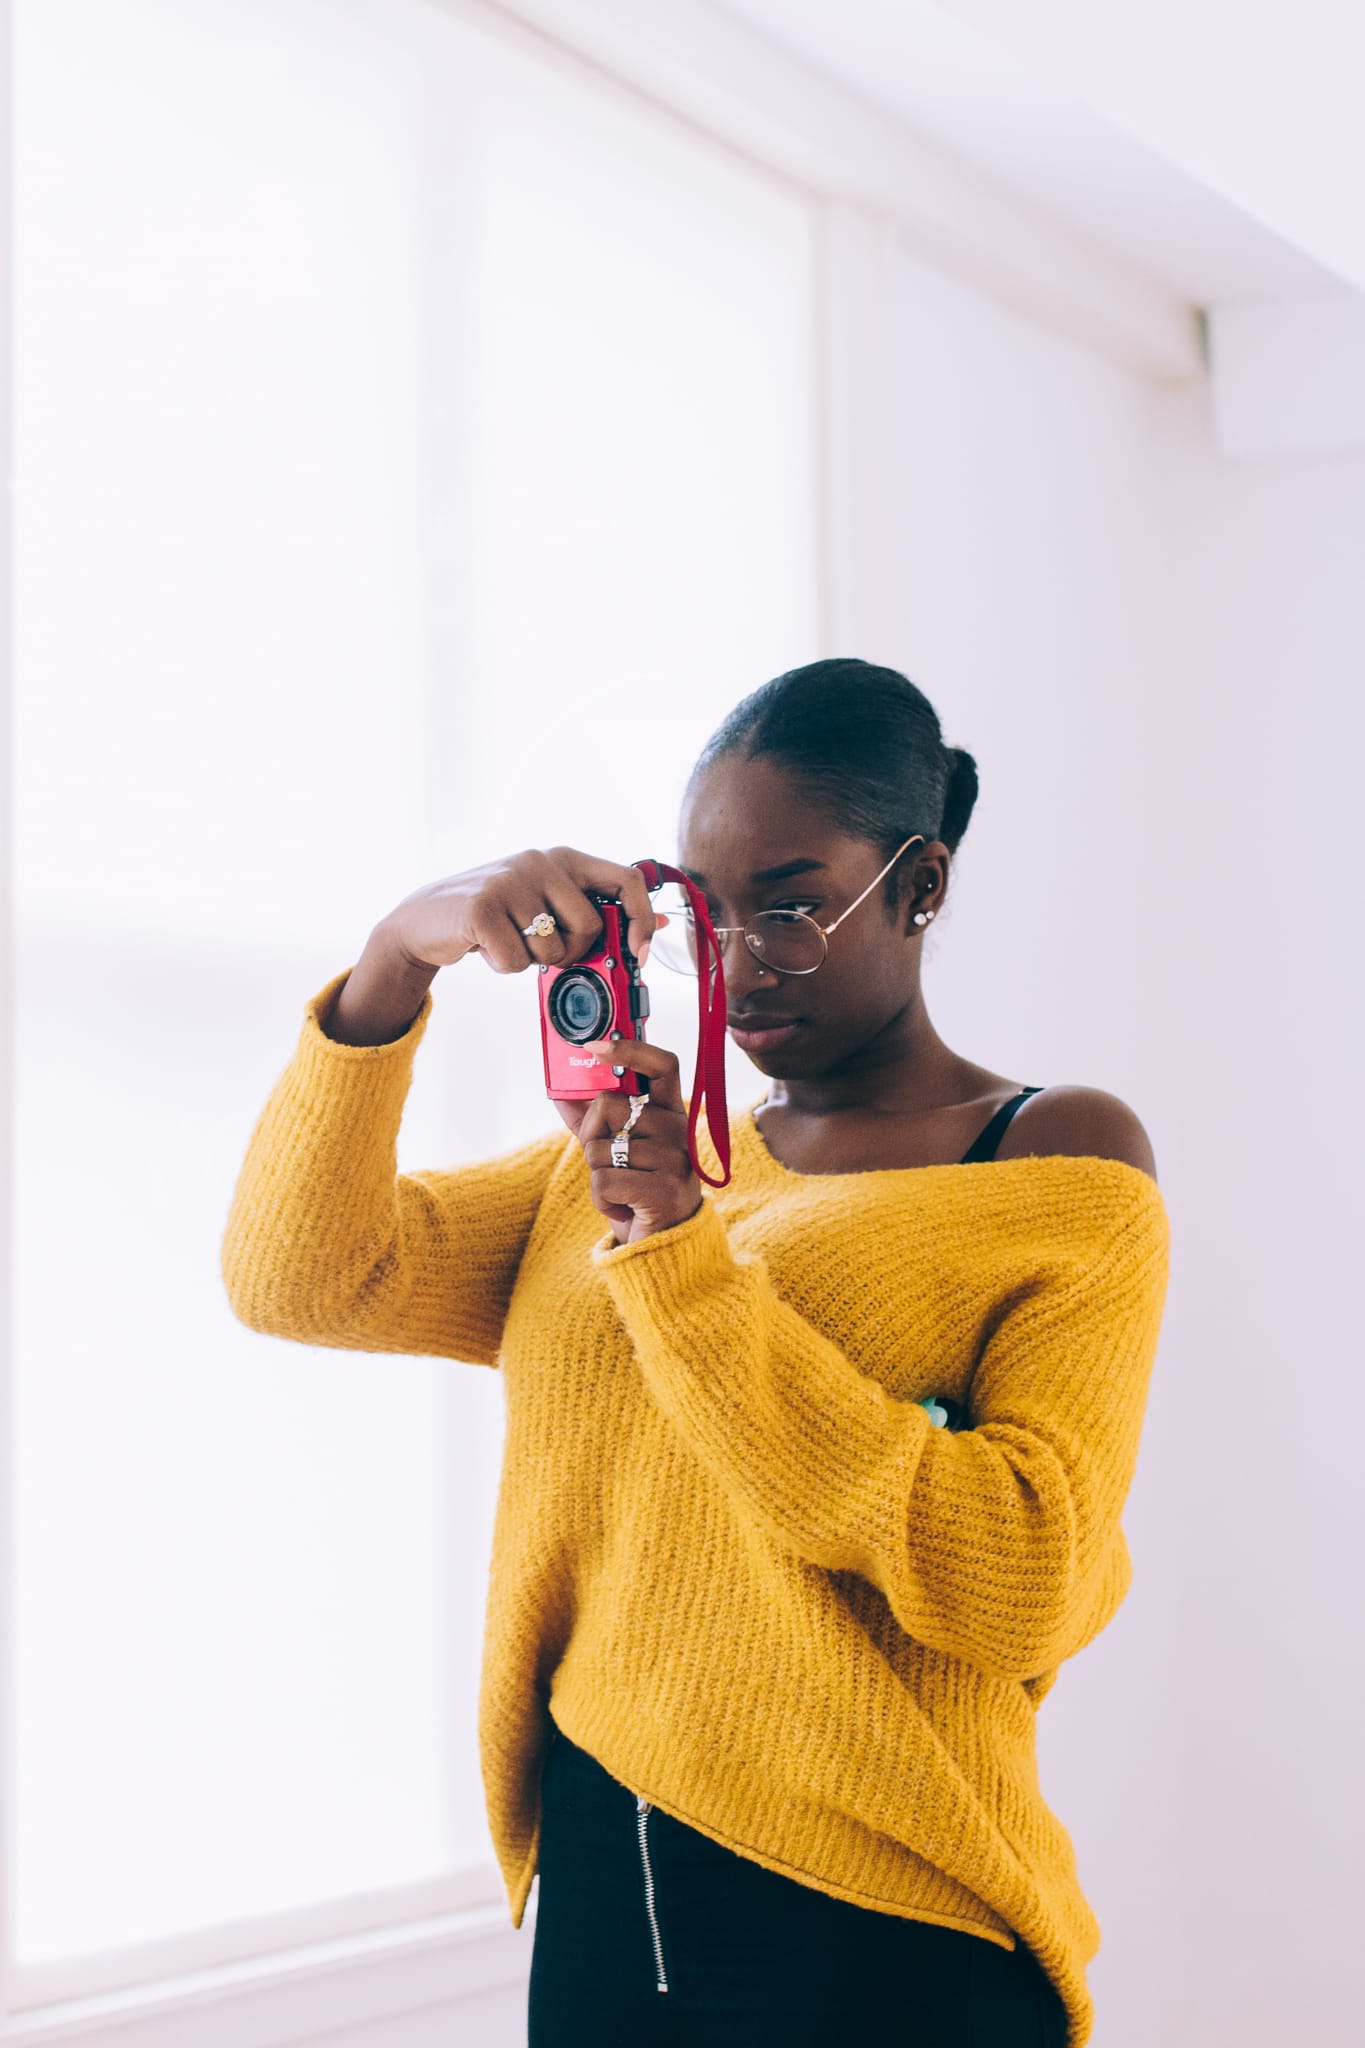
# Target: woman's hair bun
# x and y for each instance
(960, 798)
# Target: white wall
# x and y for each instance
(1257, 1507)
(1156, 655)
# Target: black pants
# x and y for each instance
(630, 1901)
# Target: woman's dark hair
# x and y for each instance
(866, 744)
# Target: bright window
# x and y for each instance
(415, 459)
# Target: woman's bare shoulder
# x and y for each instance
(1068, 1117)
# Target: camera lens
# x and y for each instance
(580, 1006)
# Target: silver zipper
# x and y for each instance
(642, 1815)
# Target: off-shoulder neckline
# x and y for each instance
(745, 1131)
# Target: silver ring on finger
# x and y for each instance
(620, 1143)
(540, 927)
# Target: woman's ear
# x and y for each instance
(929, 881)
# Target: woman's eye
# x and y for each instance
(806, 907)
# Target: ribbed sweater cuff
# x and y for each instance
(317, 1053)
(668, 1260)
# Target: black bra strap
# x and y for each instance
(984, 1146)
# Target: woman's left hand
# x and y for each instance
(659, 1187)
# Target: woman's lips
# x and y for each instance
(763, 1040)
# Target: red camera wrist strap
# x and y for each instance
(709, 1081)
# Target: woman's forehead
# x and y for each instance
(750, 811)
(756, 851)
(780, 871)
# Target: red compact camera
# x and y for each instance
(599, 996)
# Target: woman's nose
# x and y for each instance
(745, 968)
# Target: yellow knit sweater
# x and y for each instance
(732, 1550)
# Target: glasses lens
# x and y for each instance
(786, 940)
(782, 939)
(673, 945)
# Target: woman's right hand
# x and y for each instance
(485, 909)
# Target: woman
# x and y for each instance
(766, 1633)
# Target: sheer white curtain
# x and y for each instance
(416, 456)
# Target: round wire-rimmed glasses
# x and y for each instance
(788, 941)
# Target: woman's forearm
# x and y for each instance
(380, 998)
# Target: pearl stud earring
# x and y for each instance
(923, 916)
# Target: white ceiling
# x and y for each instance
(1114, 119)
(1259, 99)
